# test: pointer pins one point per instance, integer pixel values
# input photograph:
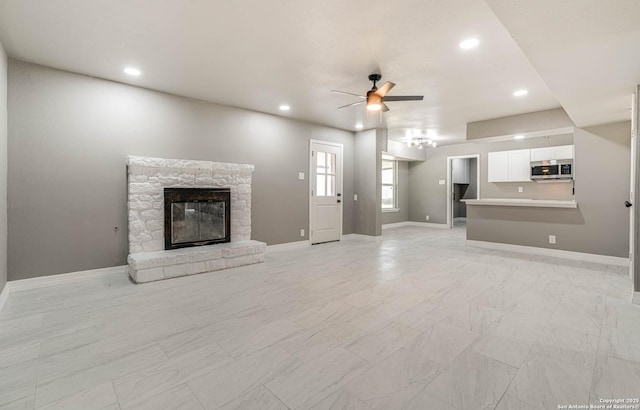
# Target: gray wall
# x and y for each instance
(68, 138)
(3, 168)
(519, 124)
(600, 224)
(367, 217)
(403, 196)
(429, 198)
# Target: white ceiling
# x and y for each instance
(257, 54)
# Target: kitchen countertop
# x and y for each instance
(541, 203)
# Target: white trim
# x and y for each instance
(449, 184)
(558, 253)
(395, 225)
(310, 183)
(412, 223)
(4, 295)
(287, 246)
(531, 203)
(359, 236)
(52, 280)
(394, 186)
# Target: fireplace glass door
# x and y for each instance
(196, 216)
(197, 221)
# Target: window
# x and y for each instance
(389, 183)
(326, 174)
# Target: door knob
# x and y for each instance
(339, 201)
(628, 204)
(339, 194)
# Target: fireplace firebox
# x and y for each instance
(196, 216)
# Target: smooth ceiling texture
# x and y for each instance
(258, 54)
(585, 50)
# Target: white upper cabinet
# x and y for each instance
(509, 166)
(541, 154)
(498, 164)
(563, 152)
(520, 165)
(551, 153)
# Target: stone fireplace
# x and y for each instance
(188, 217)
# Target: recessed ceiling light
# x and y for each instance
(520, 93)
(518, 137)
(359, 126)
(469, 43)
(132, 71)
(284, 107)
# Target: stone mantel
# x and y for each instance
(147, 178)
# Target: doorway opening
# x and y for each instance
(463, 182)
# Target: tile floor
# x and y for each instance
(413, 320)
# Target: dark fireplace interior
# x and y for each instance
(196, 216)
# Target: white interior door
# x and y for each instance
(326, 192)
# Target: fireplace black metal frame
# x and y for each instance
(172, 195)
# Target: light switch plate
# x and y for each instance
(520, 189)
(355, 197)
(441, 182)
(300, 175)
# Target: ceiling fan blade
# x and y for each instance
(385, 88)
(351, 105)
(345, 93)
(385, 108)
(404, 98)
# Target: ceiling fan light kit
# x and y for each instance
(374, 102)
(376, 97)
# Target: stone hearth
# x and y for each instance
(147, 178)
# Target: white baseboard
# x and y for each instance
(358, 236)
(52, 280)
(4, 295)
(532, 250)
(287, 246)
(413, 223)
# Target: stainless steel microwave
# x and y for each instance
(549, 170)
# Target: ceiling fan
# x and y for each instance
(376, 97)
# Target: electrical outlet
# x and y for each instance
(355, 197)
(427, 217)
(441, 181)
(301, 232)
(300, 175)
(520, 189)
(552, 239)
